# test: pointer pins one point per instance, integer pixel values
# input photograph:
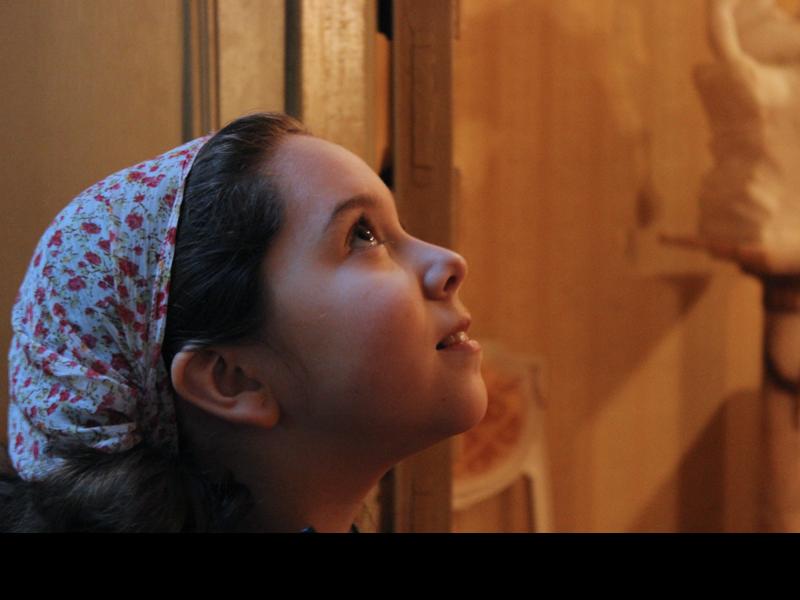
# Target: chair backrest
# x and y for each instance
(510, 443)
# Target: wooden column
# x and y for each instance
(330, 70)
(200, 68)
(423, 179)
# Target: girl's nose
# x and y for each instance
(446, 271)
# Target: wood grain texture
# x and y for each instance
(423, 150)
(423, 145)
(577, 125)
(251, 57)
(337, 72)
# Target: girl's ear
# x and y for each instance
(214, 380)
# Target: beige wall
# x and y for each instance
(578, 135)
(89, 87)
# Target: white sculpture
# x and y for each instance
(750, 200)
(750, 212)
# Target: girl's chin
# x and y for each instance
(473, 407)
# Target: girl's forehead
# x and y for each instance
(315, 175)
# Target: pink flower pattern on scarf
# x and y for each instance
(89, 319)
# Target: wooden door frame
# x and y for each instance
(330, 85)
(423, 174)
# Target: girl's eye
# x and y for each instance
(363, 231)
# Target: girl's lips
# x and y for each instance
(468, 346)
(461, 327)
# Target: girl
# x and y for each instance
(257, 364)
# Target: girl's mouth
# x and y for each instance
(458, 341)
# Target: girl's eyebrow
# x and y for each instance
(352, 203)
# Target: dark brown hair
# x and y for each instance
(230, 213)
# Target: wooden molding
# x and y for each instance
(200, 68)
(424, 178)
(331, 71)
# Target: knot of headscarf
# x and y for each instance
(89, 319)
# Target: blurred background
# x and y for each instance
(573, 134)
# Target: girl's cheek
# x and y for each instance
(397, 322)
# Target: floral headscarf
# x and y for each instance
(88, 322)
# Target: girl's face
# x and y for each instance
(357, 307)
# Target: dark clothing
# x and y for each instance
(310, 529)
